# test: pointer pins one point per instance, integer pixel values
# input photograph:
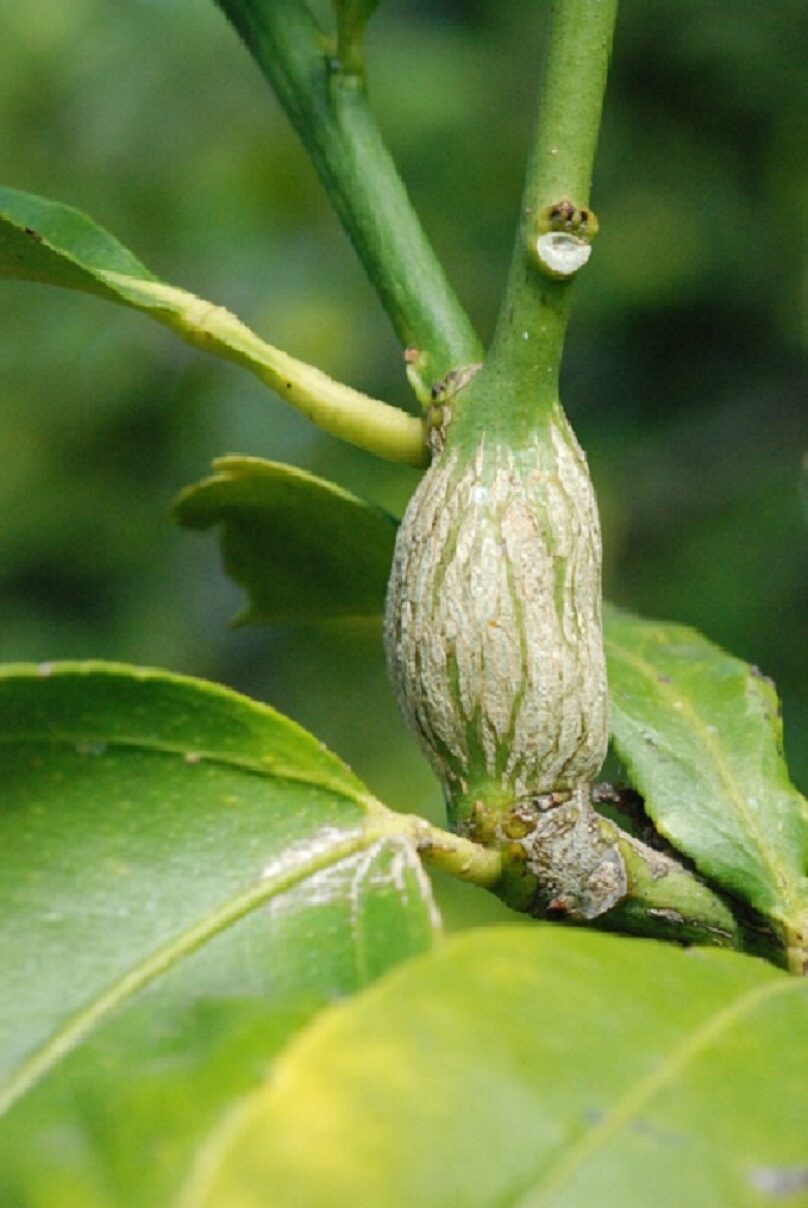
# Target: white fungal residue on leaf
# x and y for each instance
(304, 852)
(388, 865)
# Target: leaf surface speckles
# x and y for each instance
(170, 850)
(532, 1066)
(699, 733)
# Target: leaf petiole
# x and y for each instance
(334, 407)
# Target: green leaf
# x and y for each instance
(161, 835)
(700, 735)
(41, 240)
(121, 1119)
(300, 546)
(533, 1066)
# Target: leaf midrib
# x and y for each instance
(254, 766)
(790, 893)
(84, 1021)
(629, 1104)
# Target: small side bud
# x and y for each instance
(562, 238)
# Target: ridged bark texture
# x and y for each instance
(493, 622)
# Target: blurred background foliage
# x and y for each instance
(684, 376)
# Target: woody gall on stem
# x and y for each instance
(219, 942)
(493, 616)
(493, 620)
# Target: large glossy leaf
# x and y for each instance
(301, 546)
(700, 734)
(41, 240)
(166, 843)
(534, 1066)
(121, 1119)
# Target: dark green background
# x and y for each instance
(684, 376)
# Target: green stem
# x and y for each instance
(570, 103)
(796, 946)
(327, 103)
(665, 900)
(563, 860)
(525, 357)
(456, 855)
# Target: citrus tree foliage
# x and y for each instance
(226, 973)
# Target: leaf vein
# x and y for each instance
(257, 765)
(725, 773)
(83, 1022)
(630, 1103)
